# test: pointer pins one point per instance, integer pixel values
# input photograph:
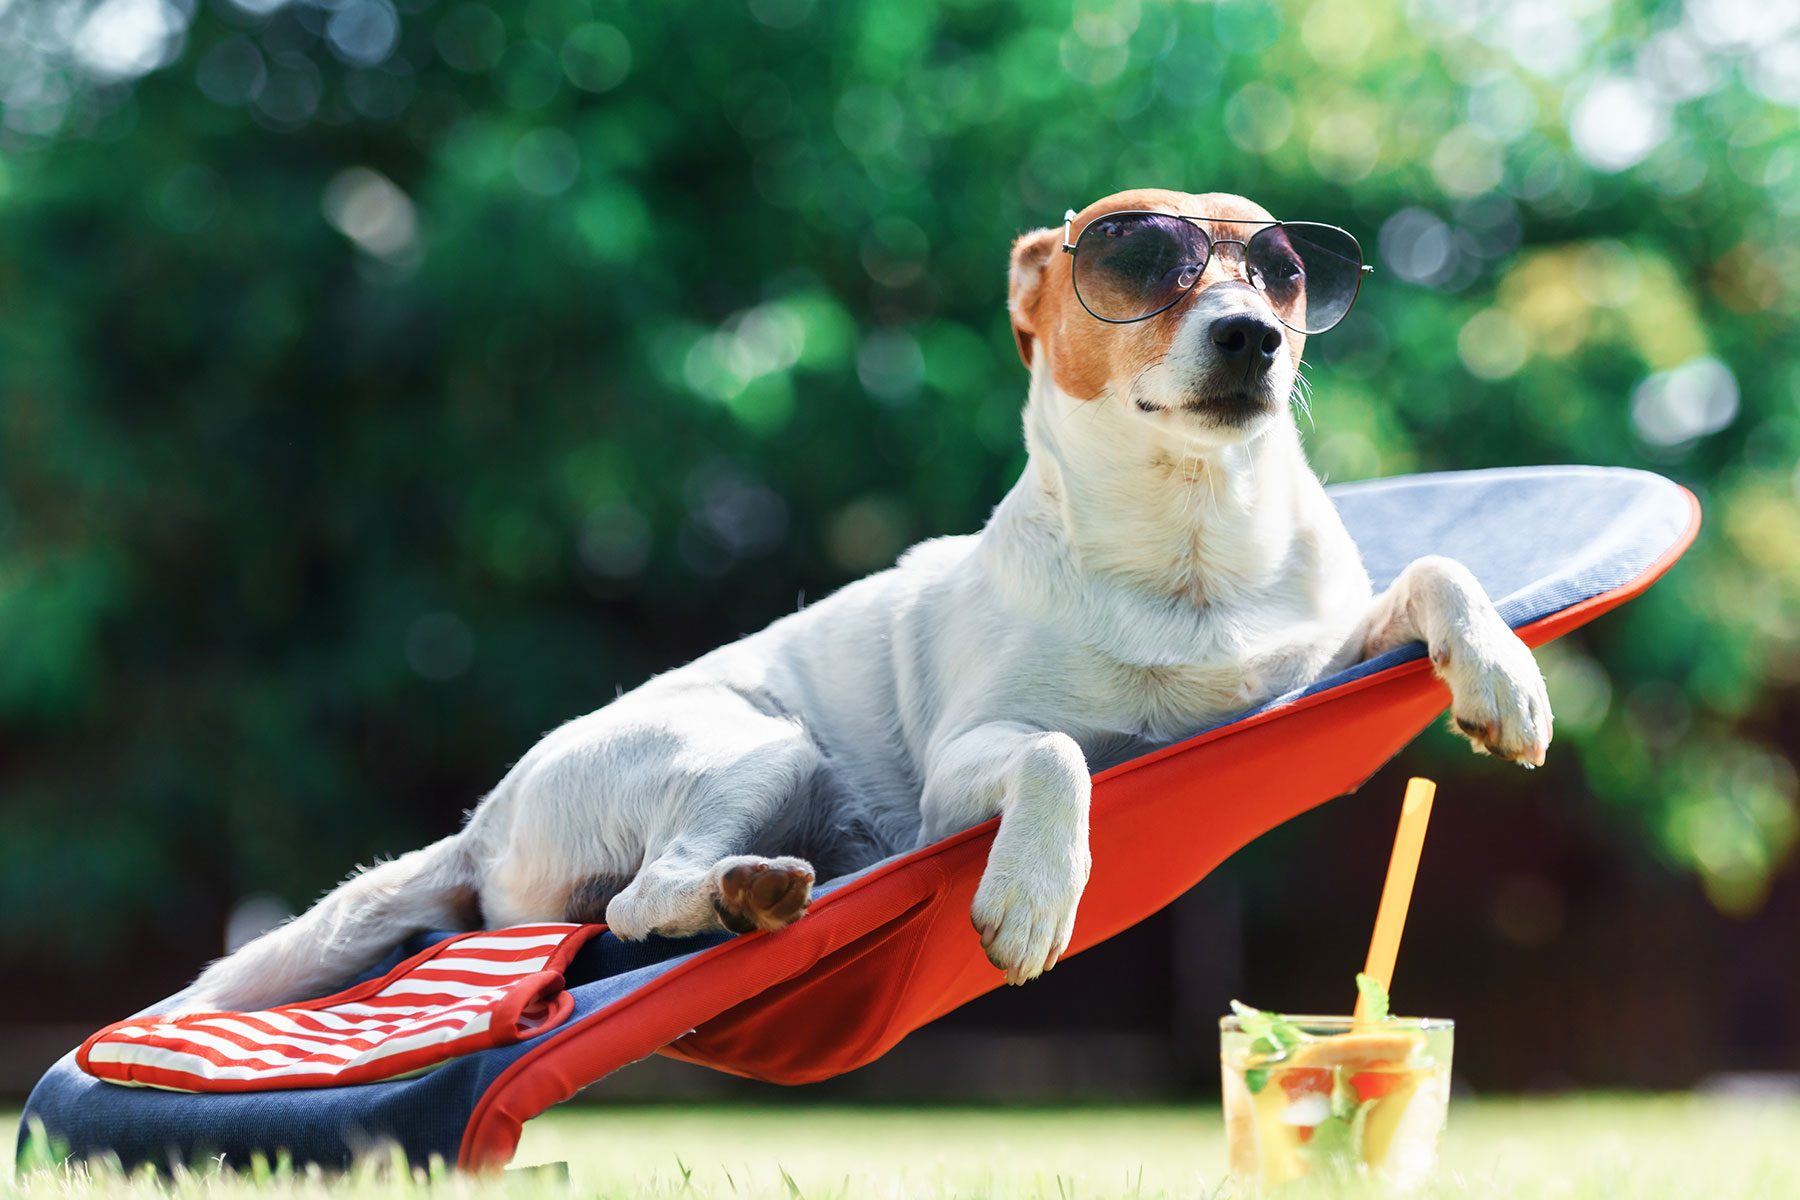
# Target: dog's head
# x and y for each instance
(1215, 365)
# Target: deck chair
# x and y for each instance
(889, 949)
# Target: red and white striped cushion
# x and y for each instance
(467, 993)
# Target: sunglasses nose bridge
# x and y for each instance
(1234, 262)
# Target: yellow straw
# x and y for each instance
(1396, 893)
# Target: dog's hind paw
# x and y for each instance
(761, 893)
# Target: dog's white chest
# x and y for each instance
(1162, 703)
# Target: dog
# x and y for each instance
(1166, 559)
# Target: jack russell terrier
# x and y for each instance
(1166, 559)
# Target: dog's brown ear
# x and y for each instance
(1030, 257)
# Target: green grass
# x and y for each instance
(1577, 1148)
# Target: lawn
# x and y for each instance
(1644, 1148)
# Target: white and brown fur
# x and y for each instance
(1166, 559)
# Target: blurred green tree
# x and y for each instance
(384, 381)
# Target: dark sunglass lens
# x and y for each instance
(1309, 273)
(1131, 265)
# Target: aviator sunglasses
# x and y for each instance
(1129, 266)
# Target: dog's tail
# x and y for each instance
(347, 932)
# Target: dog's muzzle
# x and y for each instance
(1236, 388)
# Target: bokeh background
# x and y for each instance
(383, 382)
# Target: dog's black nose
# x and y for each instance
(1246, 337)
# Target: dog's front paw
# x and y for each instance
(1498, 699)
(1025, 909)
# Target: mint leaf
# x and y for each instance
(1244, 1012)
(1375, 997)
(1256, 1079)
(1257, 1025)
(1270, 1033)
